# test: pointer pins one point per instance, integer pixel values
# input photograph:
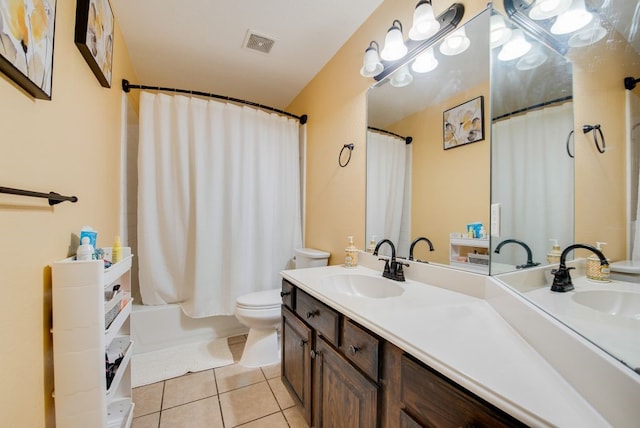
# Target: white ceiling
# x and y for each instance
(198, 44)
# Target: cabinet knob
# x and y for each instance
(353, 349)
(285, 293)
(312, 353)
(311, 314)
(302, 342)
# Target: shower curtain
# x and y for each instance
(389, 191)
(218, 201)
(529, 153)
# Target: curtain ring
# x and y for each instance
(594, 128)
(568, 140)
(346, 146)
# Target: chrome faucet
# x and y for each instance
(413, 244)
(392, 269)
(529, 263)
(562, 278)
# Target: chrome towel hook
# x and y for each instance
(595, 128)
(346, 146)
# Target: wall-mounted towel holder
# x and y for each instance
(346, 146)
(53, 197)
(596, 130)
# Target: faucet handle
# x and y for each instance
(387, 269)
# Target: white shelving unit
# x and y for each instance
(460, 248)
(81, 340)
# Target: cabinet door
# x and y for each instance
(343, 397)
(296, 360)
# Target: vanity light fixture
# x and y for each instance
(402, 77)
(371, 64)
(456, 43)
(407, 51)
(424, 21)
(425, 62)
(587, 36)
(394, 47)
(545, 9)
(516, 47)
(499, 32)
(573, 19)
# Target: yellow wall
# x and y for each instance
(444, 198)
(335, 101)
(70, 145)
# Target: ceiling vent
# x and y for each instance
(258, 43)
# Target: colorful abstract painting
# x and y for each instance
(26, 44)
(94, 37)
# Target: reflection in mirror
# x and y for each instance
(421, 189)
(605, 313)
(531, 147)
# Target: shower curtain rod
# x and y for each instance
(533, 107)
(126, 87)
(407, 140)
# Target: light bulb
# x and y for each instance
(587, 36)
(545, 9)
(371, 64)
(573, 19)
(425, 62)
(500, 33)
(515, 47)
(402, 77)
(394, 47)
(425, 24)
(456, 43)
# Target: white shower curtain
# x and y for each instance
(389, 191)
(218, 201)
(530, 156)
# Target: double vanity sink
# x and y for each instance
(467, 327)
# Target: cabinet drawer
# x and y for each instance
(288, 294)
(318, 315)
(361, 348)
(433, 400)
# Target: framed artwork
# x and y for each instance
(26, 44)
(463, 124)
(94, 37)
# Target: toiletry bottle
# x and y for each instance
(553, 256)
(470, 235)
(372, 244)
(350, 254)
(483, 233)
(116, 250)
(595, 271)
(85, 249)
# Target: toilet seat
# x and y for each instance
(268, 299)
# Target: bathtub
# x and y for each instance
(160, 327)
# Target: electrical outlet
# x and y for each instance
(495, 220)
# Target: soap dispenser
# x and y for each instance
(372, 244)
(553, 256)
(595, 271)
(350, 254)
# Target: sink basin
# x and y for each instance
(363, 286)
(618, 303)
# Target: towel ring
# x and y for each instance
(568, 141)
(594, 128)
(346, 146)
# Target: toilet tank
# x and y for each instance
(310, 257)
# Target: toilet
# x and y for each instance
(261, 312)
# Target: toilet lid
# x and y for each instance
(267, 299)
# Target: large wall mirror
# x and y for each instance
(528, 166)
(440, 182)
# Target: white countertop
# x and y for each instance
(465, 339)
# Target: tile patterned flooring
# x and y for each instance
(230, 396)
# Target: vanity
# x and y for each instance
(440, 349)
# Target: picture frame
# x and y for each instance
(27, 30)
(94, 36)
(463, 124)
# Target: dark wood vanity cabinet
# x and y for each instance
(343, 375)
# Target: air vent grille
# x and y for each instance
(258, 43)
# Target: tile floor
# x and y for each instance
(230, 396)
